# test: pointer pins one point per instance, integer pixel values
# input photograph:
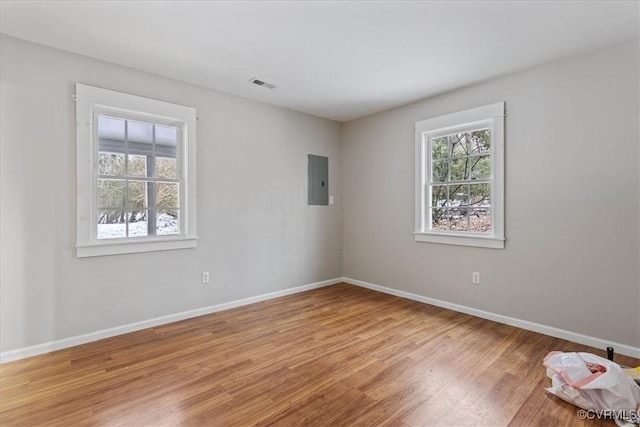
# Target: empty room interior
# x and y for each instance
(314, 212)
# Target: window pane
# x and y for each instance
(139, 132)
(458, 145)
(480, 195)
(440, 171)
(167, 222)
(166, 135)
(480, 220)
(111, 193)
(440, 148)
(166, 167)
(111, 224)
(137, 165)
(458, 219)
(137, 196)
(167, 195)
(480, 167)
(459, 169)
(459, 195)
(111, 164)
(480, 142)
(137, 223)
(439, 219)
(110, 128)
(439, 196)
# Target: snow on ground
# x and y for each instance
(165, 225)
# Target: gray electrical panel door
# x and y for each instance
(318, 177)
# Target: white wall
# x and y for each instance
(257, 234)
(572, 195)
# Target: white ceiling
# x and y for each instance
(335, 59)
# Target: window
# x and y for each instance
(459, 178)
(135, 173)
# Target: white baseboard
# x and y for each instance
(627, 350)
(21, 353)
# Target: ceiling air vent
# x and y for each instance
(262, 83)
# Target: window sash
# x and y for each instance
(427, 149)
(126, 147)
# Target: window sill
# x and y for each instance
(128, 247)
(460, 240)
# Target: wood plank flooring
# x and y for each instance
(339, 355)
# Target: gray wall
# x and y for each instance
(572, 193)
(257, 234)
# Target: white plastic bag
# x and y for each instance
(591, 382)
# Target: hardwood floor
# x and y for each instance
(339, 355)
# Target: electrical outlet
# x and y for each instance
(205, 277)
(475, 278)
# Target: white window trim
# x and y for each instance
(90, 100)
(489, 114)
